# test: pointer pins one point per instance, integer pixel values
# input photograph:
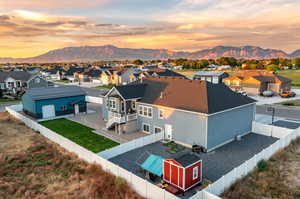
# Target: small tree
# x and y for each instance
(272, 67)
(138, 62)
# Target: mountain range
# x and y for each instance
(109, 52)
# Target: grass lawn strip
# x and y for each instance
(291, 103)
(8, 101)
(80, 134)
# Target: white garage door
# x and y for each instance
(48, 111)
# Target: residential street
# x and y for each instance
(280, 111)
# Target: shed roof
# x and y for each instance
(54, 92)
(187, 159)
(153, 164)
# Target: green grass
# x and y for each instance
(293, 75)
(109, 86)
(80, 134)
(63, 81)
(291, 103)
(8, 101)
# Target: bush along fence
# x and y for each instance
(219, 186)
(141, 186)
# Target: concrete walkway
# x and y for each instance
(123, 138)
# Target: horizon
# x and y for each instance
(30, 28)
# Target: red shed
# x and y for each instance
(183, 172)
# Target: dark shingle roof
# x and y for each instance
(187, 159)
(17, 75)
(131, 91)
(54, 92)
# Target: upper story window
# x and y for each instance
(112, 103)
(145, 111)
(160, 114)
(133, 105)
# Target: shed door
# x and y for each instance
(48, 111)
(76, 109)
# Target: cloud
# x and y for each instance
(46, 4)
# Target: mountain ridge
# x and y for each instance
(111, 52)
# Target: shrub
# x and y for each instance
(262, 165)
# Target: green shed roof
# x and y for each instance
(154, 165)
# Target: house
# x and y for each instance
(117, 76)
(18, 81)
(256, 82)
(213, 113)
(155, 72)
(42, 103)
(183, 172)
(215, 77)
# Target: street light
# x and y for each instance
(271, 109)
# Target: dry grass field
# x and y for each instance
(278, 178)
(33, 167)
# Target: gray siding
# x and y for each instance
(188, 128)
(225, 126)
(33, 84)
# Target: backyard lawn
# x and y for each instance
(80, 134)
(109, 86)
(8, 101)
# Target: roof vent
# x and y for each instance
(161, 95)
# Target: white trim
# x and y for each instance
(159, 117)
(196, 168)
(147, 107)
(149, 128)
(161, 129)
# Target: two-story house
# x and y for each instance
(187, 111)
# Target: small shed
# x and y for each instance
(42, 103)
(183, 172)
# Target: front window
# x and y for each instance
(195, 172)
(133, 105)
(160, 114)
(146, 128)
(112, 104)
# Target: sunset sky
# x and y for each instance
(32, 27)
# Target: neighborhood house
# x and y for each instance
(215, 77)
(255, 83)
(42, 103)
(18, 81)
(190, 112)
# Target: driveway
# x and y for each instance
(275, 99)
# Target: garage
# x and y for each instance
(48, 111)
(43, 103)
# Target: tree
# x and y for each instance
(138, 62)
(296, 62)
(272, 67)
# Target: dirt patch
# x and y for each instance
(33, 167)
(279, 180)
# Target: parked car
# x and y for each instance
(287, 94)
(268, 93)
(243, 93)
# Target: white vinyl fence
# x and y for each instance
(141, 186)
(230, 178)
(128, 146)
(96, 100)
(270, 130)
